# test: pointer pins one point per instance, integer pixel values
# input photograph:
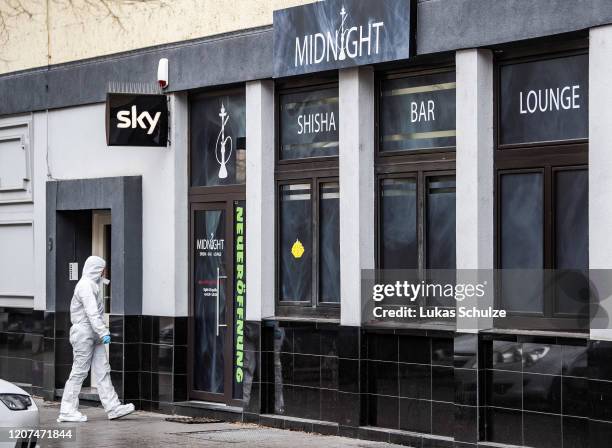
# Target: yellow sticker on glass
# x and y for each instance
(297, 250)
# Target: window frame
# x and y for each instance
(547, 158)
(419, 164)
(420, 174)
(314, 171)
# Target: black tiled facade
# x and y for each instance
(452, 389)
(300, 375)
(419, 388)
(541, 392)
(148, 355)
(410, 383)
(149, 359)
(22, 347)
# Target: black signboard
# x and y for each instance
(136, 120)
(545, 100)
(417, 112)
(309, 124)
(341, 33)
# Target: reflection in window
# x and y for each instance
(398, 222)
(208, 265)
(522, 241)
(440, 228)
(522, 221)
(571, 219)
(217, 139)
(329, 243)
(571, 240)
(295, 243)
(309, 124)
(417, 112)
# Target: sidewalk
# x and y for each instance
(146, 429)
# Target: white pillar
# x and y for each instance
(260, 242)
(38, 145)
(179, 127)
(474, 166)
(356, 166)
(600, 180)
(474, 172)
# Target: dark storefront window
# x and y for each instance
(402, 243)
(417, 112)
(295, 243)
(522, 240)
(217, 138)
(415, 163)
(329, 242)
(309, 243)
(542, 194)
(398, 224)
(571, 226)
(440, 223)
(309, 124)
(308, 230)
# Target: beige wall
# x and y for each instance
(34, 33)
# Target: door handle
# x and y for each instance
(217, 324)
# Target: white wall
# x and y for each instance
(600, 181)
(16, 264)
(474, 170)
(260, 242)
(474, 176)
(179, 134)
(39, 153)
(75, 148)
(356, 169)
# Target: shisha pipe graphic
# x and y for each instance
(344, 16)
(223, 159)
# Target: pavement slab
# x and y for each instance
(148, 429)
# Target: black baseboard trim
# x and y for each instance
(299, 424)
(210, 410)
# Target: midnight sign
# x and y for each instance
(341, 33)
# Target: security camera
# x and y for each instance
(162, 73)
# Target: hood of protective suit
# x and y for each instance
(93, 268)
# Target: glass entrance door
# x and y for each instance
(217, 259)
(211, 324)
(217, 368)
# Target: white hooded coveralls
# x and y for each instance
(88, 328)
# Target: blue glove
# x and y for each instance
(106, 339)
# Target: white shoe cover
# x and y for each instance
(75, 417)
(121, 411)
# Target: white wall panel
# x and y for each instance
(16, 261)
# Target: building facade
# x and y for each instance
(302, 152)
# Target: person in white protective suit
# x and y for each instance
(88, 335)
